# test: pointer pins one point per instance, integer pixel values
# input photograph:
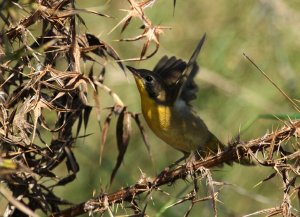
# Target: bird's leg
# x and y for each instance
(185, 156)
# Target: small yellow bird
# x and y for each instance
(166, 93)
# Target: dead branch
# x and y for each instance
(232, 154)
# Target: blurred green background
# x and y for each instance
(232, 93)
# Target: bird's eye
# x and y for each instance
(149, 78)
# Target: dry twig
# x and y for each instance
(103, 201)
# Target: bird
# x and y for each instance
(166, 93)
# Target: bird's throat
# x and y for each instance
(157, 116)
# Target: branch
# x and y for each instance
(102, 202)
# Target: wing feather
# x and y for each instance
(178, 76)
(186, 80)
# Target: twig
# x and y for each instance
(273, 83)
(17, 203)
(232, 154)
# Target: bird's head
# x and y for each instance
(149, 84)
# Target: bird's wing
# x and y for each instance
(178, 76)
(185, 85)
(169, 69)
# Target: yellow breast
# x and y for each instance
(171, 128)
(182, 130)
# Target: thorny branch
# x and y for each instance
(232, 154)
(151, 32)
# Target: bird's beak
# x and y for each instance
(137, 77)
(134, 71)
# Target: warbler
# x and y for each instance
(166, 93)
